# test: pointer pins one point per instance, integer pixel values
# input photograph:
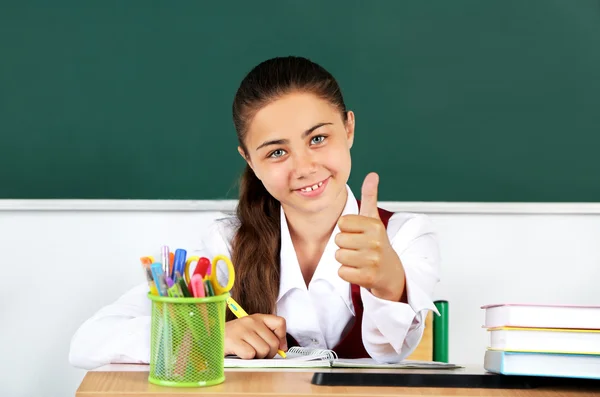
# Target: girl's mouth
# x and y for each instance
(313, 190)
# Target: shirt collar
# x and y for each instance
(290, 276)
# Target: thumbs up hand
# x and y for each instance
(365, 252)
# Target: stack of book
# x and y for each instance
(543, 340)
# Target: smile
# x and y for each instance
(311, 188)
(313, 191)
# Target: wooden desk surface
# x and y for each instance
(254, 382)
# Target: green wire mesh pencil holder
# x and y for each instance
(187, 341)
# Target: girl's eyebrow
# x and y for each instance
(286, 141)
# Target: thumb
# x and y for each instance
(368, 203)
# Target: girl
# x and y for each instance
(314, 266)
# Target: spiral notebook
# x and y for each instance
(303, 357)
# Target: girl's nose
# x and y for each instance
(304, 165)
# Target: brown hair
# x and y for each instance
(257, 241)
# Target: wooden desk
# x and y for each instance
(295, 382)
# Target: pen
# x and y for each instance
(159, 278)
(164, 253)
(239, 313)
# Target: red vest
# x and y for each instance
(351, 345)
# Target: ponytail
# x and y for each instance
(255, 247)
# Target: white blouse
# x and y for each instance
(316, 316)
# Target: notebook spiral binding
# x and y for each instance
(303, 351)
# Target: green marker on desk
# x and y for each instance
(440, 332)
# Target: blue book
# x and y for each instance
(543, 364)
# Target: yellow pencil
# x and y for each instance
(239, 313)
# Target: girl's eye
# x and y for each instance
(317, 139)
(277, 153)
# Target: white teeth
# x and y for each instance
(313, 187)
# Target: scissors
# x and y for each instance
(212, 276)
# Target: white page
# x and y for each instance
(293, 360)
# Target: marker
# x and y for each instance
(146, 262)
(175, 291)
(239, 313)
(197, 286)
(159, 278)
(184, 288)
(208, 272)
(202, 267)
(209, 288)
(179, 262)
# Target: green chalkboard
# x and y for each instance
(455, 100)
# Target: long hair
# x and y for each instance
(257, 241)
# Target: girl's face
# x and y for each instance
(299, 147)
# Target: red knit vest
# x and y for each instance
(351, 345)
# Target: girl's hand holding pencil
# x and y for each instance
(255, 336)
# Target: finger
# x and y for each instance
(368, 202)
(261, 347)
(278, 326)
(357, 258)
(270, 338)
(357, 276)
(356, 241)
(354, 223)
(242, 349)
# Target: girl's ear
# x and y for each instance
(350, 123)
(246, 158)
(243, 154)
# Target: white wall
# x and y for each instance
(59, 267)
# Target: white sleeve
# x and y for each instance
(120, 332)
(117, 333)
(392, 330)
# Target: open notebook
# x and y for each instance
(302, 357)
